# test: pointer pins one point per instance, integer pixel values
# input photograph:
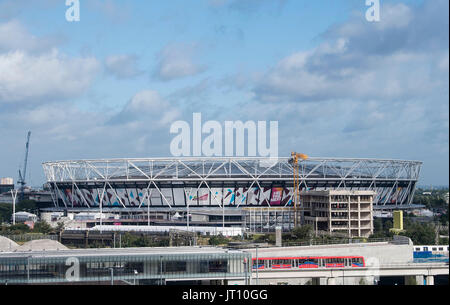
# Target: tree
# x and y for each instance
(444, 218)
(443, 240)
(19, 228)
(5, 212)
(60, 227)
(218, 240)
(421, 234)
(378, 225)
(302, 232)
(29, 206)
(42, 227)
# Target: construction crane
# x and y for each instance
(295, 162)
(22, 178)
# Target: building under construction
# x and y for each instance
(6, 185)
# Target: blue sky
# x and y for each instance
(338, 85)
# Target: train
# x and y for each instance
(434, 253)
(431, 248)
(274, 263)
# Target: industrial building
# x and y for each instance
(24, 217)
(342, 211)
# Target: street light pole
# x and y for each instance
(28, 270)
(14, 197)
(161, 270)
(245, 271)
(112, 276)
(257, 264)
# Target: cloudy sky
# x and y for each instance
(110, 85)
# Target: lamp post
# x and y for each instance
(112, 275)
(245, 271)
(28, 269)
(14, 197)
(161, 270)
(135, 275)
(257, 264)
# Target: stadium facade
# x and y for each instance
(220, 185)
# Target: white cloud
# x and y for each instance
(177, 61)
(123, 66)
(246, 6)
(147, 106)
(116, 11)
(32, 78)
(14, 36)
(392, 60)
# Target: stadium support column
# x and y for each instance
(430, 280)
(148, 208)
(101, 214)
(187, 214)
(420, 280)
(331, 281)
(101, 208)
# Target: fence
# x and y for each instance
(19, 238)
(344, 241)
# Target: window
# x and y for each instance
(131, 266)
(260, 263)
(218, 266)
(174, 266)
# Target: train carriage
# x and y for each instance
(274, 263)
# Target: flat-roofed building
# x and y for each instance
(339, 211)
(193, 265)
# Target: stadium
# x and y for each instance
(219, 191)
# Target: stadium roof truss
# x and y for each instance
(386, 177)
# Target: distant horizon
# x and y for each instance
(417, 187)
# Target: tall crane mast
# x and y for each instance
(295, 162)
(22, 178)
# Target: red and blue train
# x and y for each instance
(272, 263)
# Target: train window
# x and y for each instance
(259, 263)
(425, 248)
(441, 249)
(434, 249)
(417, 249)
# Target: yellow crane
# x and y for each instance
(295, 162)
